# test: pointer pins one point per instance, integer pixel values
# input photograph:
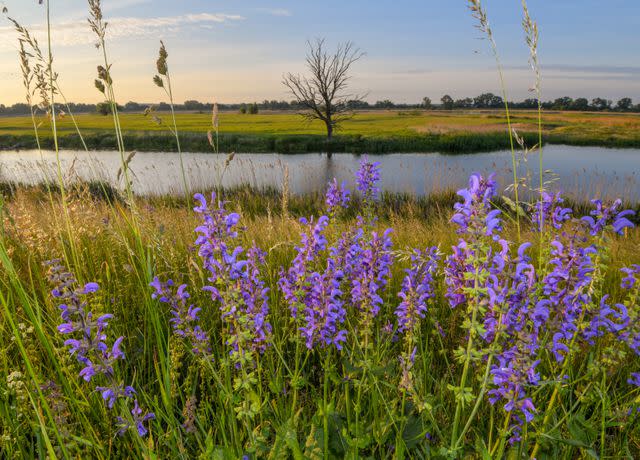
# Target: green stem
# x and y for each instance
(325, 411)
(465, 370)
(476, 406)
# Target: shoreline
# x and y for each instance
(450, 143)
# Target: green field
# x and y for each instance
(376, 132)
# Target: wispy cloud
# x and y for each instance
(283, 12)
(72, 33)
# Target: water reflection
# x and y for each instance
(581, 172)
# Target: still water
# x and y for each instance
(581, 172)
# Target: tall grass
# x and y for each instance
(380, 390)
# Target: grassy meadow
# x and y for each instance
(370, 131)
(352, 323)
(106, 241)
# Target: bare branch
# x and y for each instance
(323, 94)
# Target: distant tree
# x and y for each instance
(529, 103)
(487, 101)
(386, 104)
(323, 94)
(601, 104)
(447, 102)
(193, 105)
(243, 108)
(465, 103)
(357, 104)
(103, 108)
(253, 108)
(563, 103)
(426, 103)
(580, 103)
(133, 107)
(624, 105)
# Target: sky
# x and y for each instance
(238, 50)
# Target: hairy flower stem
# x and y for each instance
(554, 395)
(465, 369)
(296, 371)
(483, 389)
(325, 411)
(604, 413)
(501, 441)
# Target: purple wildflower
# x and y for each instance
(138, 417)
(417, 288)
(603, 216)
(635, 379)
(367, 178)
(371, 278)
(548, 210)
(90, 348)
(314, 296)
(234, 280)
(474, 215)
(338, 196)
(629, 315)
(184, 318)
(567, 288)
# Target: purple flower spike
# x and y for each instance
(368, 176)
(314, 295)
(603, 216)
(234, 282)
(184, 320)
(417, 289)
(89, 345)
(338, 196)
(548, 211)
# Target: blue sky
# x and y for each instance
(237, 50)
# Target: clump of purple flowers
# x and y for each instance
(629, 329)
(367, 178)
(604, 215)
(184, 318)
(549, 211)
(417, 289)
(313, 291)
(337, 196)
(370, 279)
(89, 343)
(234, 280)
(514, 326)
(475, 216)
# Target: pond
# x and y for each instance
(580, 172)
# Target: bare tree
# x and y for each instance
(323, 94)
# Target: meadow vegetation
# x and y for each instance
(366, 132)
(349, 324)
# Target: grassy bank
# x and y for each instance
(102, 240)
(414, 131)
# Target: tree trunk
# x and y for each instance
(329, 135)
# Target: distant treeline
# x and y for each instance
(483, 101)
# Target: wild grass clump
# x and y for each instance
(351, 324)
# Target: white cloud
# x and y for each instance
(72, 33)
